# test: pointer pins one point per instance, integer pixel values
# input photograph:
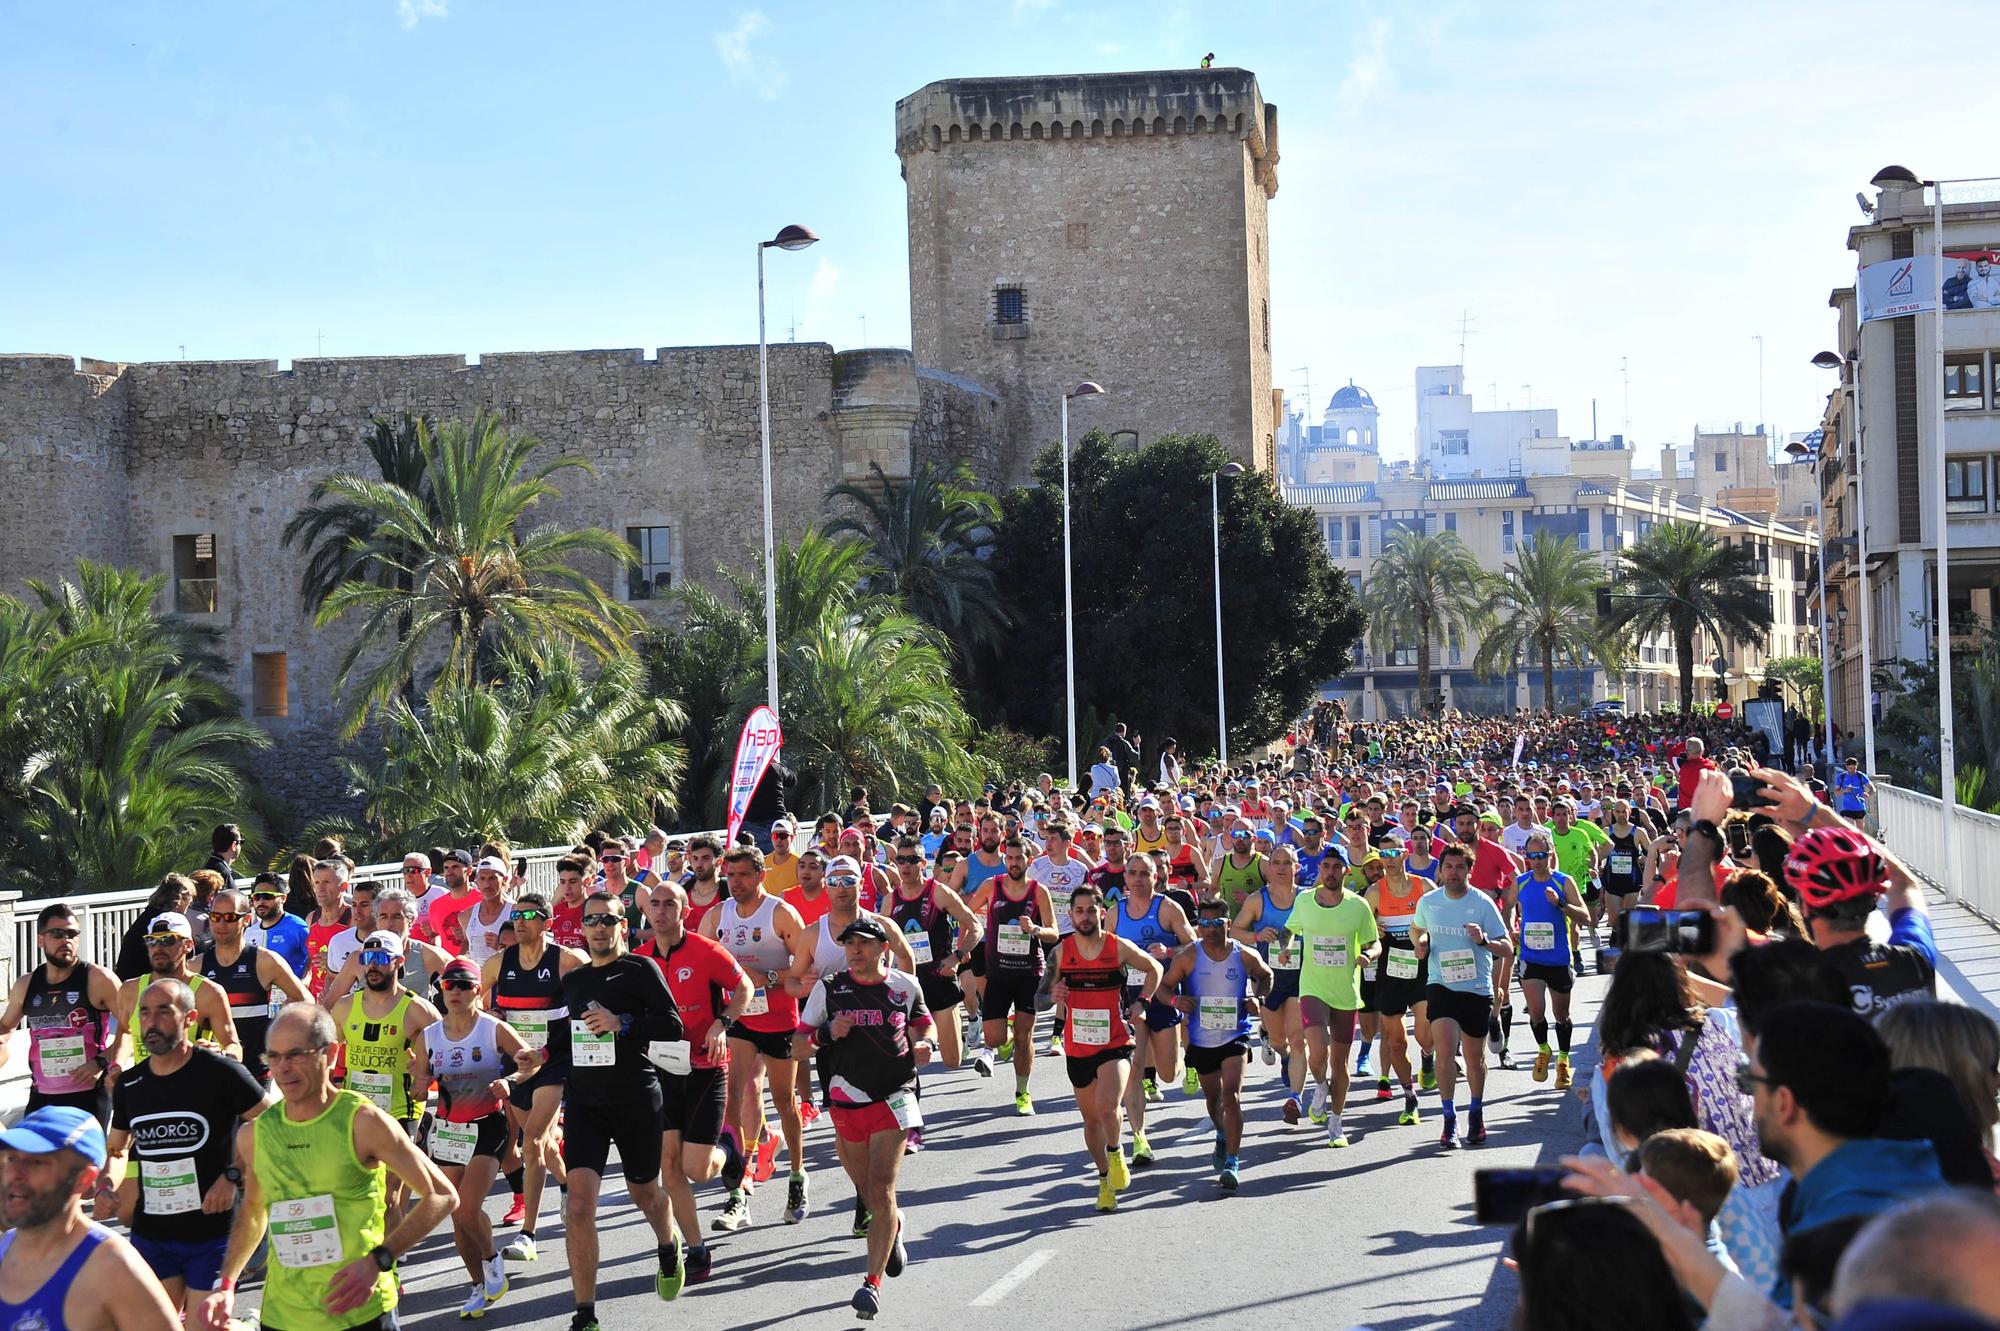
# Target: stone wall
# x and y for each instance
(1129, 211)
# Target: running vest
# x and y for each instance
(1219, 988)
(326, 1211)
(1144, 931)
(977, 873)
(482, 937)
(43, 1310)
(1397, 909)
(1544, 928)
(1429, 872)
(754, 942)
(466, 1069)
(1009, 950)
(318, 938)
(378, 1056)
(829, 954)
(1096, 1021)
(249, 1000)
(1236, 882)
(1283, 954)
(1180, 867)
(139, 1051)
(1142, 841)
(696, 912)
(925, 928)
(1621, 865)
(530, 999)
(67, 1036)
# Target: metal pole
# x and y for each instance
(1825, 640)
(1861, 551)
(1215, 526)
(1947, 760)
(1069, 618)
(770, 544)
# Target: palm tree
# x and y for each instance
(1422, 588)
(332, 528)
(540, 757)
(453, 573)
(1681, 579)
(1544, 603)
(924, 537)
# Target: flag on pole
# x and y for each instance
(756, 747)
(1520, 741)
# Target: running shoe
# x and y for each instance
(1107, 1196)
(867, 1301)
(1361, 1061)
(700, 1264)
(1410, 1116)
(1540, 1072)
(1291, 1109)
(1493, 1045)
(580, 1321)
(475, 1302)
(1221, 1151)
(767, 1158)
(1024, 1104)
(795, 1200)
(1142, 1151)
(1055, 1045)
(1336, 1134)
(899, 1256)
(517, 1212)
(982, 1062)
(1152, 1089)
(1475, 1129)
(1507, 1060)
(1316, 1103)
(520, 1248)
(1190, 1082)
(1005, 1053)
(1562, 1074)
(1382, 1090)
(1427, 1080)
(735, 1214)
(1230, 1168)
(668, 1282)
(808, 1111)
(861, 1219)
(1448, 1140)
(732, 1160)
(496, 1278)
(1270, 1052)
(1121, 1171)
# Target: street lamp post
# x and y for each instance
(1816, 456)
(1084, 389)
(1215, 527)
(791, 238)
(1827, 360)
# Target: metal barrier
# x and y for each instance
(1912, 824)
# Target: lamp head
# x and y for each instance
(1231, 469)
(1895, 177)
(1827, 360)
(1088, 388)
(1796, 449)
(793, 237)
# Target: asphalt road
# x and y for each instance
(1002, 1226)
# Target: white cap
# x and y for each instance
(843, 864)
(170, 922)
(494, 863)
(383, 940)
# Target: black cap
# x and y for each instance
(863, 927)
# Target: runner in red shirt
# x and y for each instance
(711, 991)
(808, 897)
(566, 915)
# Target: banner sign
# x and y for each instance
(1896, 287)
(756, 747)
(1520, 742)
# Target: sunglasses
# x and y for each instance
(610, 859)
(225, 917)
(843, 880)
(1536, 855)
(63, 933)
(163, 940)
(529, 913)
(776, 835)
(909, 859)
(374, 957)
(415, 868)
(267, 896)
(1747, 1081)
(460, 985)
(1212, 921)
(602, 918)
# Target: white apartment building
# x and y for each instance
(1454, 440)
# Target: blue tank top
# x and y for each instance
(1145, 931)
(1429, 871)
(1542, 921)
(1309, 864)
(976, 873)
(43, 1310)
(1269, 916)
(1219, 988)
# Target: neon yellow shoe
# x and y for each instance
(1541, 1072)
(1024, 1104)
(1107, 1196)
(1562, 1074)
(1121, 1173)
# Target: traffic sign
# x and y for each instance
(1724, 711)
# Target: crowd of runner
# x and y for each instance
(1375, 913)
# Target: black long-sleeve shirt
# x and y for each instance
(632, 989)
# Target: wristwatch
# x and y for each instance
(384, 1259)
(234, 1175)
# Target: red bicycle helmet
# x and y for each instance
(1831, 865)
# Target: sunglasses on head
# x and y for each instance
(459, 984)
(601, 918)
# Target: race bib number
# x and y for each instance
(1134, 976)
(1540, 935)
(379, 1087)
(1457, 967)
(169, 1186)
(1090, 1026)
(1329, 952)
(1402, 965)
(759, 1004)
(1063, 924)
(903, 1107)
(62, 1055)
(1013, 940)
(1218, 1014)
(675, 1057)
(588, 1050)
(304, 1233)
(1285, 955)
(532, 1026)
(1619, 863)
(920, 947)
(452, 1143)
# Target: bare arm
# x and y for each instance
(273, 973)
(213, 1005)
(342, 984)
(124, 1289)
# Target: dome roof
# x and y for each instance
(1349, 398)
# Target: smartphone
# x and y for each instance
(1746, 788)
(1505, 1196)
(1648, 929)
(521, 866)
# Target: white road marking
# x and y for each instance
(1007, 1284)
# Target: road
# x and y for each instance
(1002, 1225)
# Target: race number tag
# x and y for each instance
(1540, 935)
(379, 1087)
(588, 1050)
(62, 1055)
(674, 1057)
(452, 1143)
(759, 1004)
(1219, 1014)
(169, 1186)
(1090, 1026)
(1619, 863)
(1063, 924)
(1285, 954)
(903, 1107)
(304, 1233)
(1330, 952)
(1013, 940)
(1134, 976)
(532, 1025)
(1459, 967)
(1402, 965)
(920, 946)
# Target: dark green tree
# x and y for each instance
(1679, 578)
(1145, 597)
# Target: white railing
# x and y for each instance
(1912, 824)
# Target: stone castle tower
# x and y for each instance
(1109, 227)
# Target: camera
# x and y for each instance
(1505, 1196)
(1649, 929)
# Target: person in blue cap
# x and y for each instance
(70, 1274)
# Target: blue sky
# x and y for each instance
(1590, 182)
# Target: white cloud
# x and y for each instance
(1368, 72)
(761, 73)
(413, 12)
